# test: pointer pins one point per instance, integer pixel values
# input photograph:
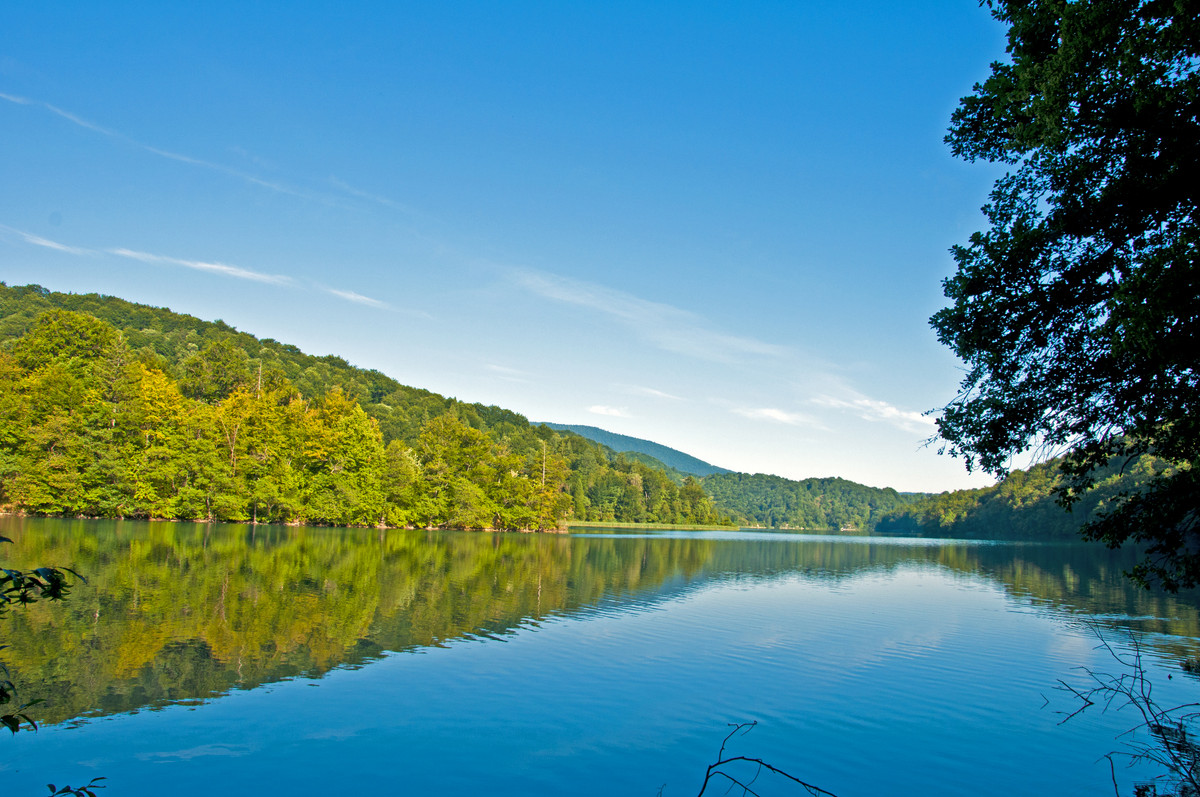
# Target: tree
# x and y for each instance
(1077, 312)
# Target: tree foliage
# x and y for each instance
(776, 502)
(1022, 505)
(113, 409)
(1077, 310)
(110, 409)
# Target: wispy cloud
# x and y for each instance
(667, 327)
(37, 240)
(504, 369)
(164, 153)
(346, 188)
(357, 298)
(776, 416)
(200, 265)
(220, 269)
(875, 410)
(650, 392)
(508, 374)
(612, 412)
(70, 117)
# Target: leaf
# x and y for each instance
(72, 572)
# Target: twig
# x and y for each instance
(714, 769)
(1174, 746)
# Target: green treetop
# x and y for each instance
(1077, 309)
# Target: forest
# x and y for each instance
(1023, 505)
(830, 503)
(111, 409)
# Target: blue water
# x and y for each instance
(912, 678)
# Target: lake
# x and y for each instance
(248, 660)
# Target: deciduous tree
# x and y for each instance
(1077, 310)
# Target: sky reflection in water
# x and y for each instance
(591, 664)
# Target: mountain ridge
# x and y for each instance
(672, 457)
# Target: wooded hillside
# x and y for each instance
(1020, 506)
(113, 409)
(776, 502)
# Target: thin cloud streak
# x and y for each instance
(37, 240)
(345, 187)
(611, 412)
(777, 416)
(508, 374)
(164, 153)
(875, 410)
(200, 265)
(357, 298)
(650, 392)
(70, 117)
(504, 369)
(222, 269)
(664, 325)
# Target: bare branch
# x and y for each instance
(1173, 742)
(715, 769)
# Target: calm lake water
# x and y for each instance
(240, 660)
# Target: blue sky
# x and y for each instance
(719, 226)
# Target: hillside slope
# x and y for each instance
(114, 409)
(775, 502)
(673, 458)
(111, 408)
(1020, 506)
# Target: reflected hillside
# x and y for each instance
(176, 611)
(1075, 578)
(180, 612)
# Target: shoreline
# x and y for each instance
(288, 524)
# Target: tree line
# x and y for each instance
(109, 409)
(113, 409)
(830, 503)
(1025, 504)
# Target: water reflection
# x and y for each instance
(180, 612)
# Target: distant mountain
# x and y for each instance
(684, 463)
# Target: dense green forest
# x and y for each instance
(1020, 506)
(776, 502)
(112, 409)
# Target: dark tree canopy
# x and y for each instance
(1076, 310)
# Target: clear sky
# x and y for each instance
(719, 226)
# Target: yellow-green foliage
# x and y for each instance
(111, 409)
(181, 610)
